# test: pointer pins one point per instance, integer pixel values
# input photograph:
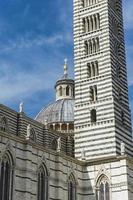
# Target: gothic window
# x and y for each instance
(4, 124)
(93, 93)
(92, 46)
(6, 177)
(42, 183)
(103, 189)
(67, 91)
(93, 116)
(71, 188)
(32, 135)
(92, 69)
(60, 91)
(54, 144)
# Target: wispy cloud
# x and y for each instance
(24, 42)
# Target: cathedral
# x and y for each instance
(80, 146)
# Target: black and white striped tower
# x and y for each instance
(102, 115)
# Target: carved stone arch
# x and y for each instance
(70, 172)
(42, 181)
(103, 187)
(102, 172)
(44, 166)
(103, 176)
(9, 155)
(43, 161)
(7, 164)
(72, 176)
(9, 150)
(72, 187)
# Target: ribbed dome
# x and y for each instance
(60, 111)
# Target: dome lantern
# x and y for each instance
(59, 116)
(65, 87)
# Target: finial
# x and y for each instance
(21, 107)
(123, 148)
(28, 132)
(65, 67)
(83, 156)
(59, 144)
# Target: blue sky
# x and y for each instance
(35, 37)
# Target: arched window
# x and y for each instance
(54, 144)
(33, 135)
(93, 116)
(4, 124)
(6, 177)
(92, 69)
(42, 183)
(71, 188)
(67, 91)
(60, 91)
(103, 188)
(93, 93)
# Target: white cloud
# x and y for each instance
(25, 43)
(24, 84)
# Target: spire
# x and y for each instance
(65, 68)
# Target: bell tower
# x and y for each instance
(102, 114)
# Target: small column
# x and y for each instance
(89, 47)
(60, 126)
(96, 68)
(93, 46)
(92, 74)
(67, 127)
(97, 21)
(89, 24)
(95, 93)
(93, 23)
(4, 170)
(54, 127)
(86, 25)
(85, 3)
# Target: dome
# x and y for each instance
(59, 116)
(61, 111)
